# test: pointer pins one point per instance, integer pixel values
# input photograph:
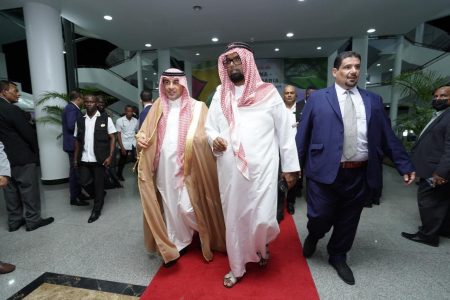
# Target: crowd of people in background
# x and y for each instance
(227, 171)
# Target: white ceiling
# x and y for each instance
(174, 24)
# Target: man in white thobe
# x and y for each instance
(248, 128)
(177, 171)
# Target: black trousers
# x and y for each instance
(434, 209)
(92, 179)
(338, 205)
(290, 196)
(123, 160)
(22, 195)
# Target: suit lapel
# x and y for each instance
(333, 100)
(367, 104)
(434, 123)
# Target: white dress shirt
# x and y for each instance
(361, 144)
(88, 154)
(127, 129)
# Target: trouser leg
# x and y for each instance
(74, 185)
(99, 182)
(13, 203)
(121, 164)
(433, 208)
(27, 185)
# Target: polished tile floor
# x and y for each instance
(385, 265)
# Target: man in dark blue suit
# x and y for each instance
(146, 98)
(341, 138)
(431, 155)
(69, 117)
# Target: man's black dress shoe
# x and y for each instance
(376, 201)
(16, 226)
(291, 208)
(6, 268)
(280, 217)
(42, 222)
(83, 197)
(343, 271)
(94, 216)
(120, 177)
(309, 246)
(415, 237)
(78, 202)
(445, 234)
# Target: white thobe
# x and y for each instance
(178, 211)
(250, 206)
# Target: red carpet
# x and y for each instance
(286, 276)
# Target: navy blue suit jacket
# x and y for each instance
(320, 138)
(143, 114)
(69, 117)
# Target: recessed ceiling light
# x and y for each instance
(390, 70)
(215, 40)
(301, 0)
(371, 30)
(197, 7)
(145, 78)
(154, 73)
(276, 49)
(148, 45)
(289, 34)
(378, 65)
(64, 52)
(197, 54)
(319, 47)
(108, 18)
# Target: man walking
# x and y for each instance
(94, 148)
(177, 170)
(127, 127)
(249, 129)
(340, 138)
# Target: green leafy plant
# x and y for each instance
(53, 112)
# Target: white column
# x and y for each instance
(188, 71)
(45, 54)
(140, 81)
(163, 61)
(419, 33)
(331, 58)
(396, 91)
(360, 45)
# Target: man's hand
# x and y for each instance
(220, 144)
(409, 178)
(143, 142)
(438, 180)
(107, 161)
(3, 181)
(291, 178)
(75, 164)
(123, 151)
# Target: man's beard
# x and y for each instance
(237, 77)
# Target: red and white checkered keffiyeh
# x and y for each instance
(253, 85)
(187, 104)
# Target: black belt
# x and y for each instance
(353, 164)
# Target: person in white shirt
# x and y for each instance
(126, 126)
(94, 148)
(289, 98)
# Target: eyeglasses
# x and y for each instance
(235, 60)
